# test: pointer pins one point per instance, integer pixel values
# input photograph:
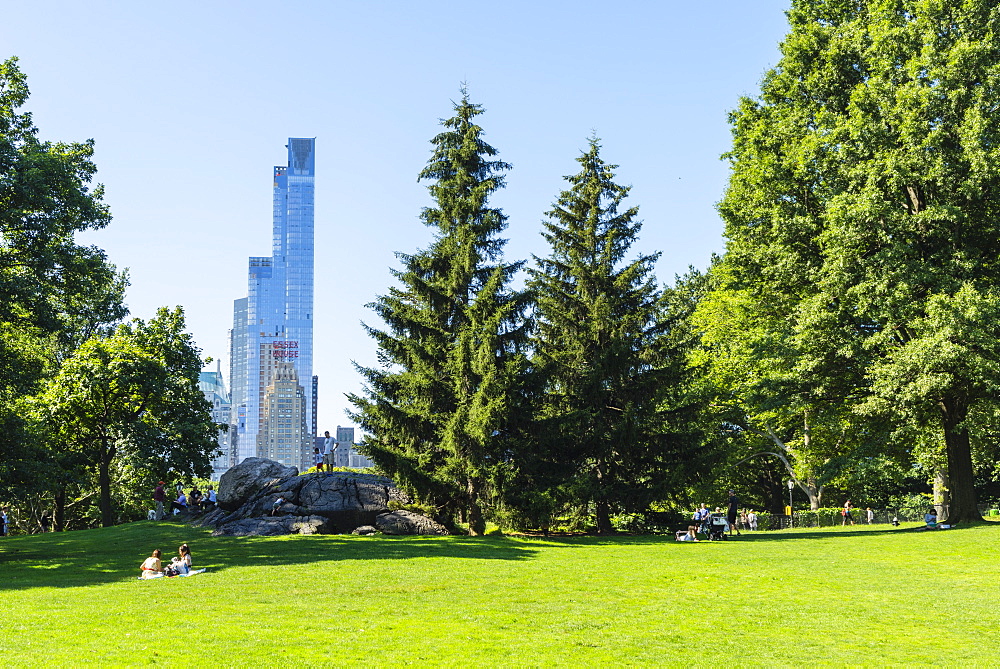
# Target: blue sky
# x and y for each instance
(190, 105)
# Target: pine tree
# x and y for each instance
(437, 410)
(597, 348)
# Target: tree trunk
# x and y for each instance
(604, 517)
(477, 523)
(815, 493)
(603, 507)
(104, 483)
(961, 477)
(59, 516)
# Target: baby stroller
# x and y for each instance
(716, 528)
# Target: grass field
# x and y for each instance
(855, 596)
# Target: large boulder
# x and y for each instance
(407, 522)
(252, 475)
(261, 497)
(269, 526)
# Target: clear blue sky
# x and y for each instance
(190, 105)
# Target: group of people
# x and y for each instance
(735, 519)
(181, 565)
(196, 502)
(848, 514)
(326, 458)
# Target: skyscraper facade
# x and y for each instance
(274, 323)
(214, 389)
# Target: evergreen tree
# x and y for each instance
(598, 346)
(860, 213)
(437, 411)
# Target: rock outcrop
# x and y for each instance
(243, 480)
(407, 522)
(261, 497)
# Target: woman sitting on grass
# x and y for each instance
(151, 567)
(182, 563)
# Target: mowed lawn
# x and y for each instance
(855, 596)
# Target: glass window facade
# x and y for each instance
(278, 308)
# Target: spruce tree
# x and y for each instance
(597, 347)
(436, 412)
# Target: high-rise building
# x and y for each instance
(315, 406)
(273, 325)
(214, 389)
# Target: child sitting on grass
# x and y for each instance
(690, 535)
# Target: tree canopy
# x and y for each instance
(860, 221)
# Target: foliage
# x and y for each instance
(861, 224)
(601, 351)
(53, 291)
(131, 400)
(438, 411)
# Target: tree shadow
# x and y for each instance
(854, 532)
(95, 557)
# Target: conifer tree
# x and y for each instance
(436, 411)
(597, 347)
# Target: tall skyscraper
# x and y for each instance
(273, 325)
(214, 389)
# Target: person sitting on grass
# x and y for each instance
(151, 567)
(690, 535)
(182, 563)
(930, 520)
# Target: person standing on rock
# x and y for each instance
(329, 451)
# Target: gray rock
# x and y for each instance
(313, 503)
(269, 526)
(249, 477)
(364, 530)
(407, 522)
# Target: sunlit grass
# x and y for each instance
(842, 595)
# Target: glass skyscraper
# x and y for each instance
(274, 323)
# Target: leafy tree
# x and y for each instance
(599, 348)
(131, 400)
(860, 211)
(53, 292)
(437, 412)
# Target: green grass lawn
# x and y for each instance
(841, 596)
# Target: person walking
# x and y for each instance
(159, 496)
(847, 513)
(752, 519)
(3, 520)
(870, 515)
(733, 511)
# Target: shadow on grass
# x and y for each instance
(99, 556)
(855, 532)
